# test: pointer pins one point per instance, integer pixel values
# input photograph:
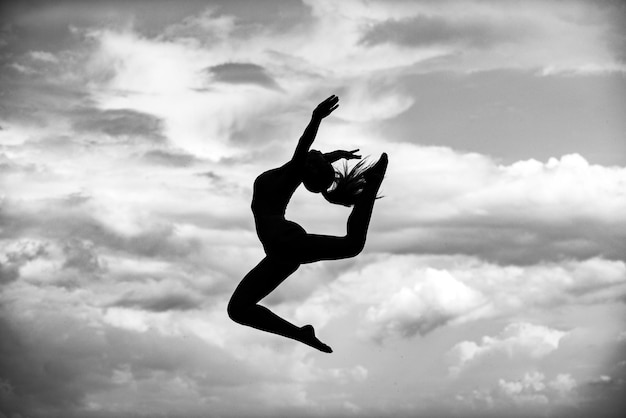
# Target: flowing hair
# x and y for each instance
(349, 183)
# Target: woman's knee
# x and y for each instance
(354, 246)
(237, 309)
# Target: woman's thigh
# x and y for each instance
(311, 248)
(292, 244)
(263, 279)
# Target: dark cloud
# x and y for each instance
(434, 30)
(8, 272)
(518, 241)
(407, 328)
(118, 123)
(170, 158)
(604, 397)
(21, 252)
(222, 184)
(242, 73)
(75, 199)
(216, 179)
(43, 374)
(47, 25)
(212, 176)
(36, 99)
(81, 255)
(160, 303)
(51, 364)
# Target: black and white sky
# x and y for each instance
(493, 282)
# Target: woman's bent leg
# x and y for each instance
(258, 283)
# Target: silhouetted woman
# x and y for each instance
(287, 245)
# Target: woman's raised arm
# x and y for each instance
(306, 140)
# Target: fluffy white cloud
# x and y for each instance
(516, 339)
(402, 296)
(533, 394)
(527, 209)
(436, 298)
(525, 391)
(563, 383)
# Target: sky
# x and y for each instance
(493, 281)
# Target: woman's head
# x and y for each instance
(318, 173)
(348, 184)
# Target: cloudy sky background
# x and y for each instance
(493, 282)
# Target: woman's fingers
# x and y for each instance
(349, 155)
(332, 98)
(326, 107)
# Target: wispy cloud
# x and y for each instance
(424, 30)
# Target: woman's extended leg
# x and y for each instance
(257, 284)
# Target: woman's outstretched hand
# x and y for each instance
(349, 155)
(326, 107)
(333, 156)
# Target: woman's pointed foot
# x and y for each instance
(309, 338)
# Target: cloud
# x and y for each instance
(526, 391)
(58, 220)
(278, 16)
(517, 339)
(80, 255)
(180, 302)
(119, 123)
(423, 293)
(159, 296)
(441, 201)
(242, 73)
(44, 56)
(9, 165)
(58, 367)
(435, 299)
(530, 395)
(563, 383)
(427, 30)
(16, 254)
(467, 36)
(536, 394)
(170, 158)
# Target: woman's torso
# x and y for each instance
(271, 194)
